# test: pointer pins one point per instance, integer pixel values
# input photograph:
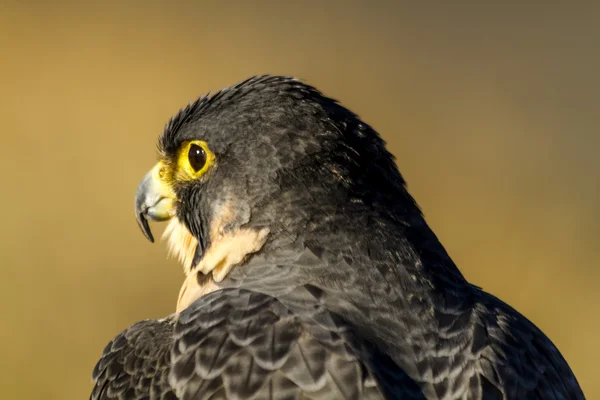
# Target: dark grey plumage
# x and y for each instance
(352, 295)
(236, 344)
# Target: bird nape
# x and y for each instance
(310, 270)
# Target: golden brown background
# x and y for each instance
(492, 111)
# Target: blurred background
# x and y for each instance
(493, 113)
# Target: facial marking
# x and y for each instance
(181, 243)
(194, 287)
(231, 249)
(229, 246)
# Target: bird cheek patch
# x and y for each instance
(230, 243)
(194, 287)
(231, 249)
(225, 252)
(181, 243)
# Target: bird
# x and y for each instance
(310, 271)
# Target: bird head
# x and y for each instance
(261, 162)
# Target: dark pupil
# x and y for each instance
(197, 157)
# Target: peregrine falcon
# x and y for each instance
(310, 270)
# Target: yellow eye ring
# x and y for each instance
(194, 159)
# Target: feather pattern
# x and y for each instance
(351, 297)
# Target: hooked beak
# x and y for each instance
(154, 200)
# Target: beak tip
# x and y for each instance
(145, 227)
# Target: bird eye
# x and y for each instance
(196, 157)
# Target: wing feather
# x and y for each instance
(258, 348)
(135, 364)
(517, 361)
(236, 344)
